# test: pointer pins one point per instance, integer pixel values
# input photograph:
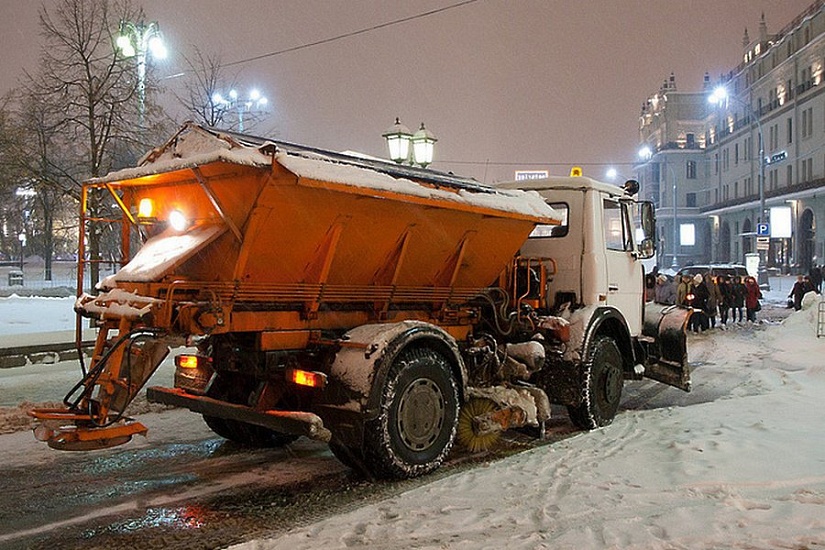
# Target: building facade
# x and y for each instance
(749, 169)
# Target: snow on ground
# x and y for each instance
(741, 470)
(36, 314)
(737, 463)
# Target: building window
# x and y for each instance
(790, 130)
(807, 170)
(690, 199)
(691, 170)
(807, 122)
(691, 141)
(735, 189)
(687, 234)
(790, 175)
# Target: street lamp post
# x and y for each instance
(255, 103)
(138, 39)
(406, 147)
(720, 96)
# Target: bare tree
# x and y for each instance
(205, 80)
(85, 94)
(209, 95)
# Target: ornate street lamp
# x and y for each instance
(423, 142)
(398, 139)
(139, 39)
(406, 147)
(255, 104)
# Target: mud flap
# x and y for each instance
(665, 337)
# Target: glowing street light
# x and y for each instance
(140, 39)
(255, 103)
(404, 146)
(720, 97)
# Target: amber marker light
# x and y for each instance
(307, 378)
(187, 361)
(146, 208)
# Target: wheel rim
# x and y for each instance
(420, 414)
(612, 386)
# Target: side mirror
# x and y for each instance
(647, 218)
(647, 248)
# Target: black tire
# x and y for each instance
(237, 389)
(603, 382)
(416, 427)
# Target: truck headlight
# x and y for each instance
(178, 220)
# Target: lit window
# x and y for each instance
(687, 234)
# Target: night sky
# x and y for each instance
(503, 84)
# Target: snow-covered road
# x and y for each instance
(737, 463)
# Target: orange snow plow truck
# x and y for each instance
(387, 310)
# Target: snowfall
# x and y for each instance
(737, 463)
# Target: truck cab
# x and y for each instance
(595, 276)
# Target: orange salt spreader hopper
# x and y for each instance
(280, 243)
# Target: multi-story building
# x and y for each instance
(749, 170)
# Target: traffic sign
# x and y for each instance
(763, 229)
(763, 243)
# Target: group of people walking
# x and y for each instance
(723, 296)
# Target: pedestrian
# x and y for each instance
(665, 291)
(738, 293)
(752, 296)
(815, 274)
(726, 292)
(801, 287)
(714, 299)
(684, 292)
(699, 319)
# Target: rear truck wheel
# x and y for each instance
(238, 389)
(416, 424)
(603, 382)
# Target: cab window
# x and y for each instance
(617, 231)
(542, 231)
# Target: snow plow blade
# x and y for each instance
(665, 329)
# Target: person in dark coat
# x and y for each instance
(815, 274)
(738, 299)
(726, 291)
(752, 296)
(714, 299)
(801, 287)
(699, 319)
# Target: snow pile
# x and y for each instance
(737, 463)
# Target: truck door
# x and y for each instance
(625, 279)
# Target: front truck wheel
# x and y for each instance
(416, 424)
(602, 391)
